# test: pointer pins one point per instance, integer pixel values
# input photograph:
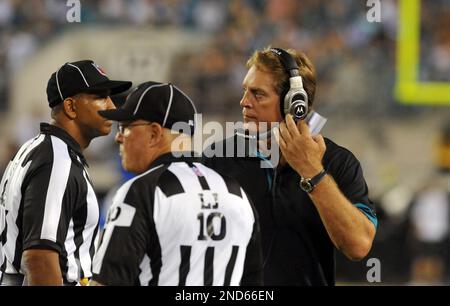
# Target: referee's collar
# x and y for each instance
(167, 158)
(64, 136)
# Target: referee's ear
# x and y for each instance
(69, 108)
(156, 134)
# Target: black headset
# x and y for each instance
(295, 101)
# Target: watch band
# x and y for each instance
(308, 184)
(317, 178)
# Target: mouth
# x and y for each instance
(248, 118)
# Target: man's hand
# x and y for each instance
(302, 151)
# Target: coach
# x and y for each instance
(315, 200)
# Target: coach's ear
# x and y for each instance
(156, 134)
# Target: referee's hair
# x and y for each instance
(266, 60)
(56, 110)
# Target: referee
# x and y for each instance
(177, 222)
(48, 208)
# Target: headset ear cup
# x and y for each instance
(297, 103)
(287, 104)
(294, 99)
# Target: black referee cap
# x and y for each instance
(82, 76)
(157, 102)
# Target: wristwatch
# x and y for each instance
(308, 184)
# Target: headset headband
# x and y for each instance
(287, 60)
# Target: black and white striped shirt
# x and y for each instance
(47, 201)
(179, 223)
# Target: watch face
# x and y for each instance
(306, 185)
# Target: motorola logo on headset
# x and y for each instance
(300, 110)
(295, 102)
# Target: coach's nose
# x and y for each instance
(246, 100)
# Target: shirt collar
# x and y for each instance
(167, 158)
(250, 149)
(49, 129)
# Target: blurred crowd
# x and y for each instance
(335, 34)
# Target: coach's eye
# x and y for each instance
(259, 96)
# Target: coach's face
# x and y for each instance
(133, 138)
(260, 102)
(88, 119)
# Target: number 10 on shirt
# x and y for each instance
(206, 220)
